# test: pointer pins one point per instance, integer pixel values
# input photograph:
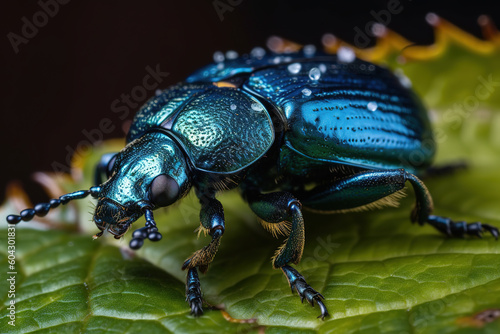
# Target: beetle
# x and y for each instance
(330, 133)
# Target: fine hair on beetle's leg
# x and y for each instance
(212, 222)
(281, 214)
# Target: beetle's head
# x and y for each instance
(149, 172)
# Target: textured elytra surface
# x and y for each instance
(224, 130)
(355, 113)
(379, 273)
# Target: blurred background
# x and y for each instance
(67, 73)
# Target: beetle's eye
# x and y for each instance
(164, 190)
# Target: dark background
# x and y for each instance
(65, 78)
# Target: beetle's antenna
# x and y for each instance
(41, 209)
(150, 231)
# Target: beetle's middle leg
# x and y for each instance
(281, 212)
(212, 221)
(368, 187)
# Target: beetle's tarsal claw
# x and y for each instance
(305, 291)
(461, 228)
(493, 230)
(324, 311)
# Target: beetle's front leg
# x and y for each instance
(212, 221)
(281, 213)
(193, 292)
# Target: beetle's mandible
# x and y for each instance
(292, 131)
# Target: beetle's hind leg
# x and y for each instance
(281, 212)
(369, 188)
(212, 221)
(423, 208)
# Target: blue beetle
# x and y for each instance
(304, 129)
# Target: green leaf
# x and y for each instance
(378, 272)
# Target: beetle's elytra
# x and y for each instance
(271, 124)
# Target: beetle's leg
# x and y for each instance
(358, 191)
(297, 282)
(459, 229)
(212, 220)
(193, 292)
(278, 210)
(275, 209)
(443, 224)
(368, 187)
